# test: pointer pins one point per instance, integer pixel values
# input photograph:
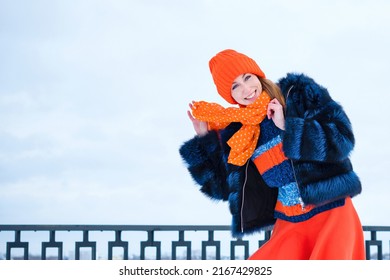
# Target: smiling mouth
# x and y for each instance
(251, 95)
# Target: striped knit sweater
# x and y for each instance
(278, 171)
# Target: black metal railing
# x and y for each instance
(35, 242)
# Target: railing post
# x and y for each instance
(267, 236)
(52, 244)
(118, 243)
(181, 243)
(85, 244)
(239, 242)
(151, 243)
(374, 242)
(211, 243)
(17, 244)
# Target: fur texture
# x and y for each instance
(318, 138)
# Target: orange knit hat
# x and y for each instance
(225, 67)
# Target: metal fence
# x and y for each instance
(147, 242)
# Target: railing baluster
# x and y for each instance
(151, 243)
(374, 242)
(17, 244)
(211, 243)
(267, 236)
(181, 243)
(118, 243)
(85, 244)
(239, 242)
(52, 244)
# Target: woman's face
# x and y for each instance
(246, 88)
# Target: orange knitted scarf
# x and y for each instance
(244, 141)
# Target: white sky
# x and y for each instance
(93, 99)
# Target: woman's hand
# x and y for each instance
(275, 112)
(201, 127)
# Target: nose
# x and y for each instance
(245, 88)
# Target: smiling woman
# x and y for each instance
(94, 94)
(277, 165)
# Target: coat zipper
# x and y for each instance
(243, 197)
(296, 181)
(292, 164)
(288, 93)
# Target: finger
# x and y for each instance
(270, 112)
(190, 116)
(275, 106)
(271, 106)
(192, 105)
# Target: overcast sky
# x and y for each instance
(93, 99)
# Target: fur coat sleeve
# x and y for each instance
(316, 128)
(203, 157)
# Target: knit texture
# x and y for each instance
(277, 171)
(244, 141)
(226, 66)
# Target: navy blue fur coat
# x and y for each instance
(318, 139)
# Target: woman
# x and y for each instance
(281, 160)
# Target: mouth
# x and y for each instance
(250, 96)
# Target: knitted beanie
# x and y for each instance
(226, 66)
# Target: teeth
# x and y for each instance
(250, 96)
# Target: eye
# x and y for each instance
(234, 86)
(247, 77)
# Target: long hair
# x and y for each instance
(273, 90)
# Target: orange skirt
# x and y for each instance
(336, 234)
